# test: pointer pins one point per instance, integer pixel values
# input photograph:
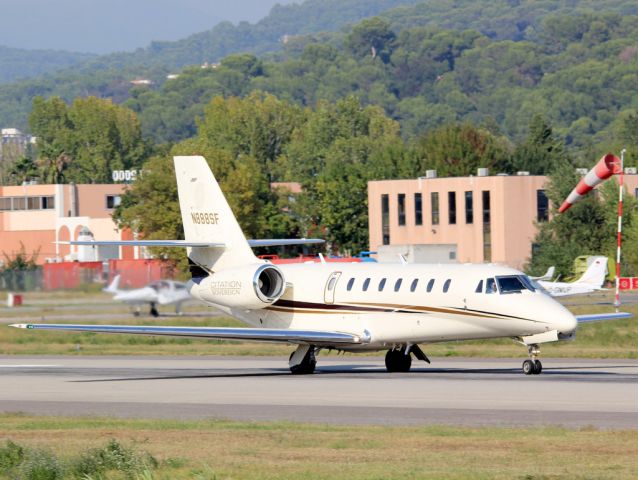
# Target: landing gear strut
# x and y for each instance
(154, 311)
(533, 365)
(302, 361)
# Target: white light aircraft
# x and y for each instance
(162, 292)
(590, 281)
(353, 307)
(547, 275)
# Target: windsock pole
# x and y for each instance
(620, 182)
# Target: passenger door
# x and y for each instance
(331, 285)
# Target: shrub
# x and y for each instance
(40, 465)
(11, 455)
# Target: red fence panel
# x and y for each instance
(70, 274)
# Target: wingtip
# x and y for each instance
(19, 325)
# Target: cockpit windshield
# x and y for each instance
(514, 284)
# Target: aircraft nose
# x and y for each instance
(564, 321)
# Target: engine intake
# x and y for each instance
(269, 283)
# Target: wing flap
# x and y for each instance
(313, 337)
(601, 317)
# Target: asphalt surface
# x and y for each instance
(344, 390)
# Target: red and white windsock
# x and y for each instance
(605, 168)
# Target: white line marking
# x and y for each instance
(28, 366)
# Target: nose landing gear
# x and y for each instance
(533, 365)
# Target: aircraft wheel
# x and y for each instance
(538, 367)
(307, 365)
(154, 311)
(529, 368)
(397, 361)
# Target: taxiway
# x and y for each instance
(347, 390)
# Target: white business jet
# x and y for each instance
(353, 307)
(162, 292)
(592, 280)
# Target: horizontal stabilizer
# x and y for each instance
(601, 317)
(261, 242)
(276, 242)
(147, 243)
(320, 338)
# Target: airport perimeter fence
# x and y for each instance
(21, 280)
(71, 275)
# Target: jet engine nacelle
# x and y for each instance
(250, 287)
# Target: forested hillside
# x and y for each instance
(109, 75)
(16, 63)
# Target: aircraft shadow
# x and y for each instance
(360, 370)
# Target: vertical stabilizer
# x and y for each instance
(595, 274)
(114, 286)
(207, 217)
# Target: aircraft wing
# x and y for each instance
(283, 335)
(261, 242)
(601, 317)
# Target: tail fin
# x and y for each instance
(113, 287)
(595, 274)
(207, 217)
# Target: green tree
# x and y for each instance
(541, 151)
(460, 149)
(372, 37)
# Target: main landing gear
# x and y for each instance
(154, 311)
(302, 361)
(400, 360)
(533, 365)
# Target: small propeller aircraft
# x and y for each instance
(592, 280)
(354, 307)
(162, 292)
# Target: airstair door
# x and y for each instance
(331, 285)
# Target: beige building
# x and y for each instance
(481, 219)
(37, 216)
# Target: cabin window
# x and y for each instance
(479, 287)
(430, 285)
(397, 285)
(381, 284)
(350, 284)
(366, 284)
(415, 282)
(490, 285)
(331, 283)
(446, 285)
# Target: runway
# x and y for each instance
(345, 390)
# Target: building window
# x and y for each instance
(397, 285)
(434, 200)
(48, 203)
(19, 203)
(366, 284)
(381, 284)
(350, 283)
(418, 209)
(385, 219)
(34, 203)
(113, 201)
(451, 204)
(430, 285)
(5, 204)
(469, 207)
(542, 206)
(487, 228)
(446, 285)
(415, 282)
(401, 208)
